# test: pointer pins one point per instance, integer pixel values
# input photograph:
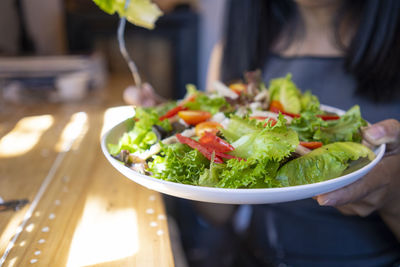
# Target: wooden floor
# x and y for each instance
(81, 211)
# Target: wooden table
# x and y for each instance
(81, 211)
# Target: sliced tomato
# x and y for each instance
(311, 145)
(328, 117)
(261, 118)
(172, 112)
(207, 126)
(215, 143)
(196, 145)
(238, 88)
(276, 105)
(193, 117)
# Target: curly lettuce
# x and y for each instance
(251, 173)
(179, 163)
(312, 128)
(263, 149)
(273, 142)
(141, 136)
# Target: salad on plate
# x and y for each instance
(247, 134)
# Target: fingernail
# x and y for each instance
(326, 202)
(375, 132)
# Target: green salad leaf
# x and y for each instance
(141, 136)
(309, 102)
(322, 164)
(142, 13)
(263, 149)
(204, 102)
(251, 173)
(273, 142)
(210, 177)
(286, 92)
(312, 128)
(347, 128)
(238, 127)
(179, 163)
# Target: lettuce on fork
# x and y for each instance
(142, 13)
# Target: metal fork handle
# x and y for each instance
(124, 52)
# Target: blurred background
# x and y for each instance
(58, 50)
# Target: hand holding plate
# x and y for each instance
(378, 190)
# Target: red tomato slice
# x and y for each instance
(172, 112)
(207, 126)
(328, 117)
(311, 145)
(196, 145)
(193, 117)
(215, 143)
(276, 105)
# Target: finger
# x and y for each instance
(367, 205)
(347, 210)
(132, 96)
(373, 181)
(384, 132)
(360, 209)
(149, 92)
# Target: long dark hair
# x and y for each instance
(373, 56)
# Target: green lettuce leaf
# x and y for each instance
(309, 102)
(346, 129)
(141, 136)
(210, 177)
(251, 173)
(322, 164)
(273, 142)
(309, 127)
(179, 163)
(139, 12)
(162, 109)
(238, 127)
(286, 92)
(204, 102)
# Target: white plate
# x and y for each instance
(234, 196)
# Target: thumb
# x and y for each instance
(384, 132)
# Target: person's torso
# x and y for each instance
(302, 233)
